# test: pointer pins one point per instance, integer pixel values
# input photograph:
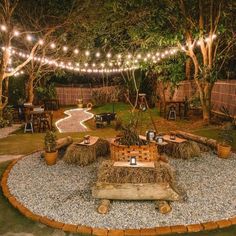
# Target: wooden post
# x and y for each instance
(104, 206)
(163, 207)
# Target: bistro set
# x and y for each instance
(37, 119)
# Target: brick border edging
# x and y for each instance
(103, 231)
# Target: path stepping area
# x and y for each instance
(74, 121)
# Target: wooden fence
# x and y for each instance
(223, 94)
(69, 95)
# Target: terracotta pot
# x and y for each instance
(223, 150)
(51, 158)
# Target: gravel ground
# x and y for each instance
(74, 121)
(4, 132)
(62, 192)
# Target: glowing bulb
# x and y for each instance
(214, 36)
(93, 64)
(52, 45)
(41, 42)
(102, 65)
(98, 54)
(129, 56)
(157, 54)
(3, 28)
(76, 51)
(139, 56)
(148, 55)
(119, 56)
(85, 64)
(108, 55)
(77, 64)
(29, 37)
(16, 33)
(65, 48)
(145, 59)
(110, 64)
(87, 53)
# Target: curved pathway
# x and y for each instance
(74, 121)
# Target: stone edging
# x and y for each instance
(108, 232)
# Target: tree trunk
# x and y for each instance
(188, 65)
(1, 98)
(205, 98)
(30, 89)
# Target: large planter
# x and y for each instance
(142, 153)
(51, 158)
(223, 150)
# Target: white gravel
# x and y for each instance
(63, 192)
(4, 132)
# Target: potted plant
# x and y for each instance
(223, 146)
(50, 148)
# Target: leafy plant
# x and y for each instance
(228, 116)
(129, 135)
(225, 137)
(47, 92)
(50, 141)
(3, 122)
(8, 114)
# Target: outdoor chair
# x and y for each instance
(172, 113)
(28, 123)
(44, 123)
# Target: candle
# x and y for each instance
(133, 161)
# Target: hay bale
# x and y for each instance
(108, 173)
(186, 150)
(84, 155)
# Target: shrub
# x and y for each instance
(3, 123)
(50, 141)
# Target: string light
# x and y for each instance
(76, 51)
(87, 53)
(108, 55)
(29, 37)
(41, 42)
(3, 28)
(16, 33)
(65, 48)
(98, 54)
(52, 45)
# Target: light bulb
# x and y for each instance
(108, 55)
(87, 53)
(29, 37)
(16, 33)
(3, 28)
(65, 48)
(76, 51)
(41, 42)
(119, 56)
(52, 45)
(139, 56)
(98, 54)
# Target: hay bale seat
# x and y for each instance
(129, 183)
(86, 154)
(185, 150)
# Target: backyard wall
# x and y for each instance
(69, 95)
(223, 94)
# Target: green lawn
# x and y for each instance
(213, 133)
